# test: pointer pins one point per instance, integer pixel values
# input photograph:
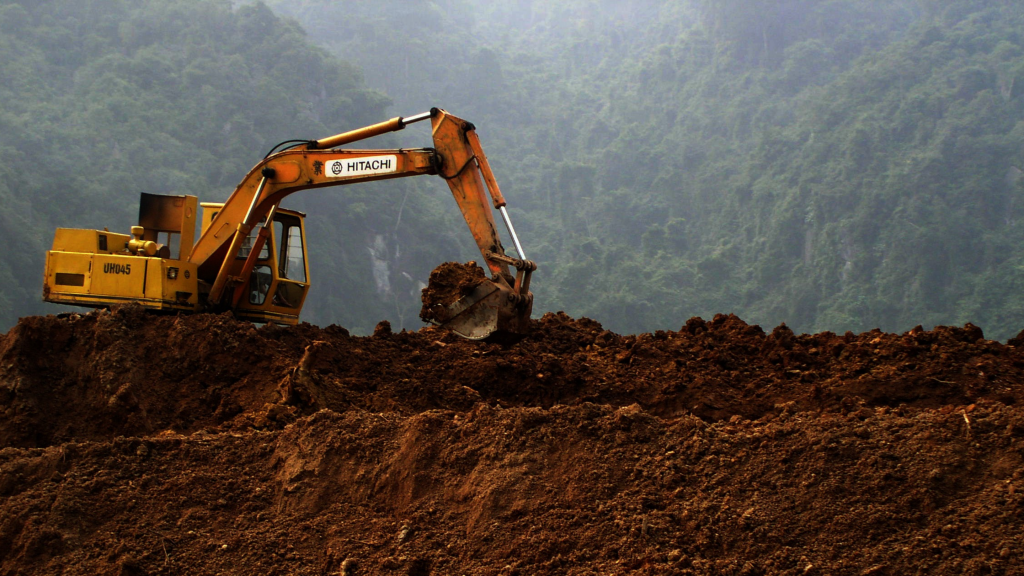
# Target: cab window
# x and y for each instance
(291, 262)
(259, 284)
(172, 240)
(248, 242)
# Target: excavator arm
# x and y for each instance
(500, 306)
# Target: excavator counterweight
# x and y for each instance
(251, 255)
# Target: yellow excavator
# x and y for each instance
(251, 254)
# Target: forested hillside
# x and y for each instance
(835, 165)
(103, 99)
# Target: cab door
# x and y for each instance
(292, 279)
(280, 278)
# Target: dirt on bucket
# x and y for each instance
(448, 283)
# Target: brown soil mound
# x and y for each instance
(448, 283)
(141, 444)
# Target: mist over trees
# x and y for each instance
(832, 164)
(835, 165)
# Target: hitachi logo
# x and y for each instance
(359, 165)
(364, 166)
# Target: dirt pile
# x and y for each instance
(448, 283)
(140, 444)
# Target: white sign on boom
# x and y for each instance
(365, 166)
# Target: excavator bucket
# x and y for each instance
(460, 298)
(491, 311)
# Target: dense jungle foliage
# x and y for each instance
(832, 164)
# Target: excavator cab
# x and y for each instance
(279, 279)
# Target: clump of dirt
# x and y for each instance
(140, 444)
(447, 284)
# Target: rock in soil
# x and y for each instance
(139, 444)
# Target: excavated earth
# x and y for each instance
(135, 444)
